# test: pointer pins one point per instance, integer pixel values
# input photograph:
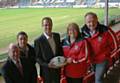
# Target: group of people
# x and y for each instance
(93, 45)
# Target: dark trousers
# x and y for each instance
(74, 80)
(52, 77)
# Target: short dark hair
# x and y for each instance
(47, 18)
(22, 33)
(91, 13)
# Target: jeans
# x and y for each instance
(99, 71)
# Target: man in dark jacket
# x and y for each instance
(16, 70)
(47, 46)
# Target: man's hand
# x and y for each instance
(51, 65)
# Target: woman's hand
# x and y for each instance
(69, 60)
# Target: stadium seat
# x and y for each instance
(118, 51)
(118, 37)
(115, 57)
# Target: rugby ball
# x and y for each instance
(58, 61)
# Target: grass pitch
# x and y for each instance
(29, 20)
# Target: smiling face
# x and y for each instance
(91, 21)
(73, 30)
(47, 25)
(14, 52)
(22, 41)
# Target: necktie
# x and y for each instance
(19, 66)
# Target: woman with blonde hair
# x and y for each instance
(77, 51)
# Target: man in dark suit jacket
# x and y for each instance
(47, 46)
(16, 70)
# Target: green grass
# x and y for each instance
(29, 20)
(3, 56)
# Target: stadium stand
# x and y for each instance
(58, 3)
(7, 3)
(90, 2)
(110, 1)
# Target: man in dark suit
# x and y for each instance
(27, 52)
(16, 70)
(48, 46)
